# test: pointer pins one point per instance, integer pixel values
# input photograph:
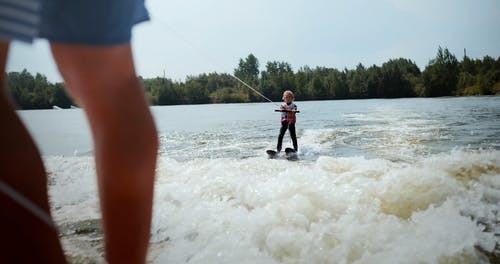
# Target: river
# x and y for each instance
(377, 181)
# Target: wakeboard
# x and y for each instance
(271, 154)
(290, 154)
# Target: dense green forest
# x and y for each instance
(443, 76)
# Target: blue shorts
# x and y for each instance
(88, 22)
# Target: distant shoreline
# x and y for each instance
(396, 78)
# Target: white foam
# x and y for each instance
(73, 189)
(333, 210)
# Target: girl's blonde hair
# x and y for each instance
(288, 92)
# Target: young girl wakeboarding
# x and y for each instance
(288, 118)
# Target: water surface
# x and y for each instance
(378, 181)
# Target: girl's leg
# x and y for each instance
(283, 129)
(293, 136)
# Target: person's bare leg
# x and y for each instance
(103, 81)
(24, 238)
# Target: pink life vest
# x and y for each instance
(288, 117)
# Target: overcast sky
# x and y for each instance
(189, 37)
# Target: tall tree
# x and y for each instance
(60, 98)
(248, 70)
(358, 87)
(277, 77)
(441, 75)
(303, 76)
(399, 78)
(373, 82)
(341, 85)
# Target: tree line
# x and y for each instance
(443, 76)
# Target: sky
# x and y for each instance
(190, 37)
